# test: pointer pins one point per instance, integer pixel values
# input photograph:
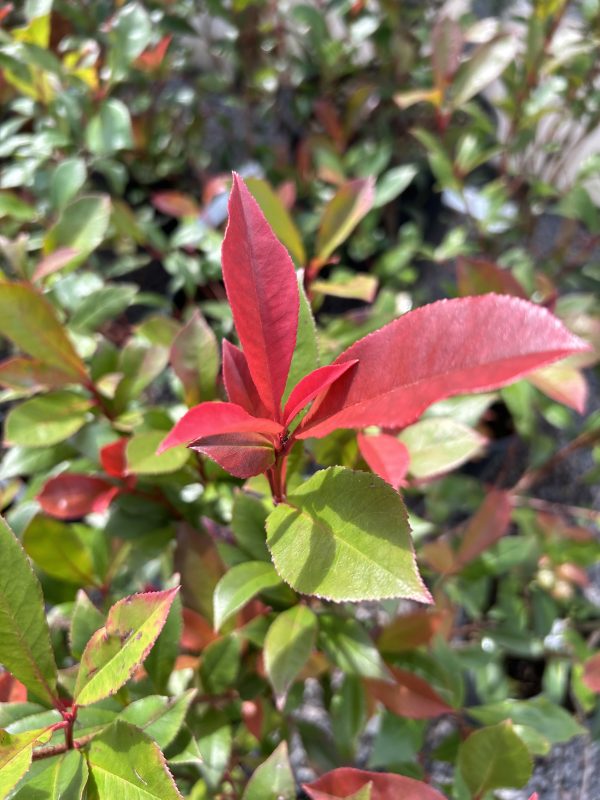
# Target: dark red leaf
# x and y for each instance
(241, 454)
(450, 347)
(212, 419)
(262, 289)
(410, 696)
(311, 386)
(346, 781)
(238, 382)
(69, 496)
(387, 456)
(113, 460)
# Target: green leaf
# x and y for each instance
(438, 445)
(16, 751)
(273, 779)
(248, 519)
(142, 459)
(347, 645)
(487, 63)
(82, 226)
(62, 778)
(25, 648)
(239, 585)
(198, 561)
(214, 742)
(105, 304)
(60, 550)
(67, 179)
(220, 664)
(494, 758)
(278, 218)
(289, 642)
(195, 360)
(161, 660)
(47, 420)
(159, 717)
(344, 535)
(556, 724)
(342, 214)
(393, 183)
(30, 322)
(110, 129)
(306, 355)
(131, 31)
(125, 763)
(116, 650)
(85, 621)
(12, 206)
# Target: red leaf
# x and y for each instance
(53, 262)
(489, 524)
(450, 347)
(480, 276)
(262, 289)
(238, 382)
(386, 456)
(534, 796)
(410, 631)
(153, 57)
(197, 632)
(346, 781)
(311, 386)
(253, 716)
(591, 673)
(212, 419)
(241, 454)
(11, 690)
(175, 204)
(410, 696)
(70, 496)
(112, 458)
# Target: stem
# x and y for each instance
(58, 749)
(535, 475)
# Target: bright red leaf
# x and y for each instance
(410, 696)
(311, 386)
(262, 289)
(152, 57)
(11, 690)
(70, 496)
(238, 382)
(113, 460)
(346, 781)
(212, 419)
(454, 346)
(241, 454)
(387, 456)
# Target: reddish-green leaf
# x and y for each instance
(311, 386)
(453, 346)
(480, 276)
(53, 262)
(261, 286)
(69, 496)
(238, 382)
(410, 696)
(273, 779)
(212, 419)
(488, 525)
(591, 673)
(564, 383)
(343, 213)
(116, 650)
(241, 454)
(175, 204)
(386, 456)
(195, 359)
(346, 781)
(30, 373)
(493, 758)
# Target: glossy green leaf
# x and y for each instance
(12, 206)
(60, 550)
(117, 649)
(248, 525)
(486, 64)
(16, 751)
(110, 129)
(494, 758)
(61, 778)
(159, 717)
(198, 561)
(125, 763)
(195, 360)
(348, 646)
(30, 322)
(85, 621)
(539, 713)
(289, 642)
(67, 179)
(393, 183)
(105, 304)
(239, 585)
(161, 659)
(273, 779)
(82, 225)
(343, 213)
(220, 664)
(25, 647)
(46, 420)
(278, 218)
(438, 445)
(142, 459)
(131, 31)
(344, 535)
(214, 743)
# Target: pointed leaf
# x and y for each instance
(195, 359)
(289, 642)
(162, 658)
(311, 386)
(62, 778)
(488, 525)
(29, 373)
(439, 445)
(409, 696)
(494, 758)
(175, 204)
(343, 213)
(145, 457)
(344, 535)
(211, 419)
(25, 647)
(346, 781)
(241, 454)
(159, 717)
(450, 347)
(486, 64)
(53, 262)
(306, 354)
(238, 382)
(81, 226)
(69, 496)
(126, 763)
(387, 456)
(62, 551)
(47, 420)
(31, 323)
(239, 585)
(117, 649)
(16, 751)
(350, 648)
(261, 286)
(85, 621)
(112, 458)
(480, 276)
(273, 779)
(563, 383)
(278, 218)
